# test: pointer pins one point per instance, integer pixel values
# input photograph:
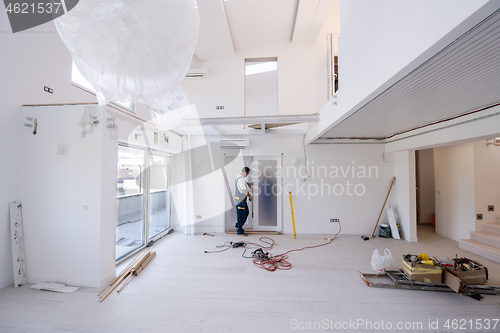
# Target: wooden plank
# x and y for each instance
(382, 209)
(145, 263)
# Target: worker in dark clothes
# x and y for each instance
(241, 190)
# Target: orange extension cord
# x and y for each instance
(280, 261)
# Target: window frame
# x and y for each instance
(146, 192)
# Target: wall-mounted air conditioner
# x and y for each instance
(234, 143)
(197, 72)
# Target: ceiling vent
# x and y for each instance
(197, 72)
(234, 143)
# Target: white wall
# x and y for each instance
(312, 209)
(486, 181)
(28, 62)
(60, 237)
(404, 196)
(426, 185)
(10, 144)
(454, 176)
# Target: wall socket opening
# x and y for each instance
(479, 216)
(334, 220)
(491, 208)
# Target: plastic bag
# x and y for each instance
(381, 263)
(136, 49)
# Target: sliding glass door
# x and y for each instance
(130, 219)
(159, 194)
(143, 198)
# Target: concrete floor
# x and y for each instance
(187, 290)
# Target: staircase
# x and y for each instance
(484, 243)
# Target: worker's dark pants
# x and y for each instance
(242, 214)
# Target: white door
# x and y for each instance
(267, 193)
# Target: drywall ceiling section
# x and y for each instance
(463, 77)
(254, 23)
(214, 39)
(310, 17)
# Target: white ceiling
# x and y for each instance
(214, 40)
(254, 23)
(463, 77)
(239, 26)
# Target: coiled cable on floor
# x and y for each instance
(247, 245)
(280, 261)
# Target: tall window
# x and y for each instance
(78, 80)
(261, 86)
(143, 198)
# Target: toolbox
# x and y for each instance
(422, 272)
(469, 271)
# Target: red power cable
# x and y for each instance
(279, 261)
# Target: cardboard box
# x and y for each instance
(422, 272)
(452, 281)
(474, 277)
(478, 276)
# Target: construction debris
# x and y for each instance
(383, 206)
(55, 287)
(399, 280)
(420, 272)
(134, 268)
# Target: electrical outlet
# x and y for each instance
(334, 220)
(198, 217)
(479, 216)
(47, 89)
(219, 107)
(491, 208)
(85, 207)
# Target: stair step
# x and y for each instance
(486, 238)
(492, 228)
(481, 249)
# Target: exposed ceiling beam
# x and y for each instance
(214, 39)
(310, 17)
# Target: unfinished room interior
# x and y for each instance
(250, 166)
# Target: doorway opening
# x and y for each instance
(265, 210)
(425, 190)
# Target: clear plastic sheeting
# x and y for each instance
(136, 49)
(168, 110)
